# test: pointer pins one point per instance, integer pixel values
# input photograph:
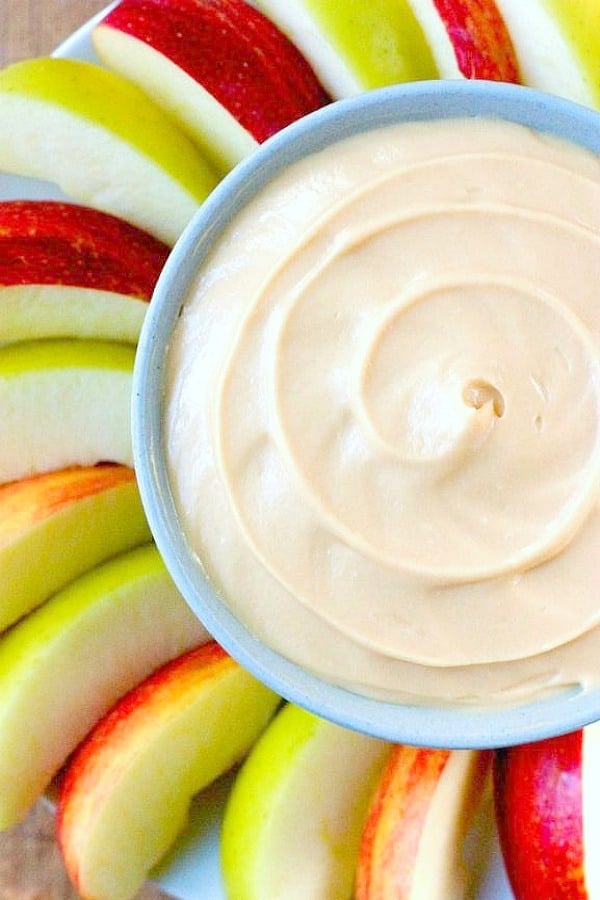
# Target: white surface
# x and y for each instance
(192, 869)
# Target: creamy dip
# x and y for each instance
(383, 427)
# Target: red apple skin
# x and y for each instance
(234, 52)
(481, 41)
(538, 798)
(394, 824)
(50, 242)
(33, 499)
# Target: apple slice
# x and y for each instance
(65, 664)
(103, 141)
(126, 792)
(72, 271)
(220, 68)
(557, 43)
(418, 821)
(548, 818)
(293, 820)
(468, 39)
(356, 48)
(93, 511)
(63, 402)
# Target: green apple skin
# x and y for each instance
(563, 59)
(64, 402)
(95, 512)
(103, 141)
(64, 665)
(127, 790)
(358, 47)
(579, 21)
(293, 820)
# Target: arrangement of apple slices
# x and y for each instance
(96, 645)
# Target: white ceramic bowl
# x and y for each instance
(422, 725)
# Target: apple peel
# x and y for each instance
(64, 665)
(95, 511)
(126, 792)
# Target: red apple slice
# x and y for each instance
(547, 813)
(95, 512)
(65, 664)
(63, 402)
(72, 271)
(411, 847)
(220, 68)
(468, 39)
(127, 790)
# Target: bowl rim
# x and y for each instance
(429, 725)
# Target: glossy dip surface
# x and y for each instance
(382, 428)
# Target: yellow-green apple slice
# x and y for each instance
(103, 141)
(71, 271)
(468, 39)
(293, 820)
(63, 403)
(127, 790)
(66, 663)
(548, 816)
(419, 817)
(55, 526)
(558, 45)
(220, 68)
(356, 47)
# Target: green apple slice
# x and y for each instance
(95, 511)
(67, 663)
(557, 43)
(358, 47)
(103, 141)
(127, 790)
(63, 403)
(293, 820)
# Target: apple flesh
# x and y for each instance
(65, 664)
(468, 39)
(221, 69)
(72, 271)
(64, 403)
(92, 512)
(557, 43)
(546, 796)
(358, 47)
(127, 790)
(102, 141)
(417, 824)
(292, 822)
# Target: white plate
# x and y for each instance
(192, 869)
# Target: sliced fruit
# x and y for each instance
(219, 67)
(63, 666)
(468, 39)
(557, 43)
(546, 796)
(126, 792)
(63, 403)
(293, 820)
(55, 526)
(72, 271)
(103, 141)
(354, 47)
(411, 846)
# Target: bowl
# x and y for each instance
(419, 724)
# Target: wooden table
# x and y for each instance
(30, 864)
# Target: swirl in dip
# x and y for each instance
(382, 419)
